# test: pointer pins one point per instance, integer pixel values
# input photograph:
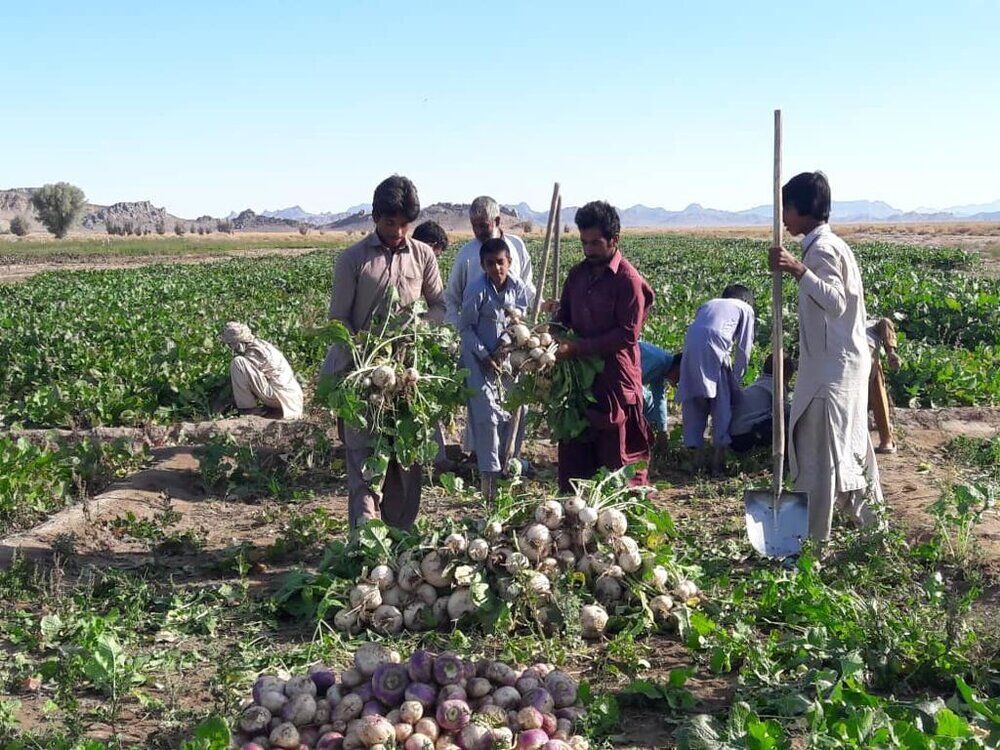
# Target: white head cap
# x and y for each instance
(234, 333)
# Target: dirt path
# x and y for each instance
(22, 269)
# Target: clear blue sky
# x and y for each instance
(207, 107)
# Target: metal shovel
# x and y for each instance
(777, 521)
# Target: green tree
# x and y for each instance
(19, 226)
(58, 206)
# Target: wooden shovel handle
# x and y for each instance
(777, 329)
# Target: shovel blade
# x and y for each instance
(776, 534)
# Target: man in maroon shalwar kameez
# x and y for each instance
(605, 303)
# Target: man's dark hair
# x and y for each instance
(790, 366)
(599, 214)
(396, 196)
(676, 362)
(431, 233)
(809, 193)
(493, 246)
(738, 291)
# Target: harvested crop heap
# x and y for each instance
(523, 563)
(425, 703)
(401, 385)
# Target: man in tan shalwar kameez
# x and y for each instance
(831, 457)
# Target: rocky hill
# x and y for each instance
(453, 217)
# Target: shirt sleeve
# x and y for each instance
(432, 290)
(823, 281)
(628, 314)
(744, 344)
(345, 285)
(454, 293)
(468, 318)
(527, 272)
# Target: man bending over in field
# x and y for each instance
(605, 303)
(363, 276)
(260, 374)
(717, 348)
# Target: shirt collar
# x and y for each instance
(374, 242)
(810, 238)
(615, 263)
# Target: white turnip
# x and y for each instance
(366, 596)
(403, 732)
(529, 718)
(460, 604)
(411, 711)
(427, 727)
(455, 543)
(285, 736)
(369, 656)
(479, 550)
(520, 333)
(418, 616)
(387, 620)
(300, 710)
(375, 730)
(255, 719)
(612, 523)
(409, 577)
(382, 576)
(298, 685)
(593, 620)
(395, 597)
(419, 741)
(608, 591)
(687, 589)
(433, 569)
(661, 606)
(426, 593)
(347, 621)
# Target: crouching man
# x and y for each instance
(260, 375)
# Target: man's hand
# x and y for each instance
(550, 306)
(567, 350)
(785, 262)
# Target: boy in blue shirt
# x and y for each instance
(658, 368)
(482, 321)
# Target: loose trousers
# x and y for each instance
(250, 385)
(396, 502)
(613, 447)
(696, 411)
(818, 475)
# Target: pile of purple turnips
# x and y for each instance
(427, 702)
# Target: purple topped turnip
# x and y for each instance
(448, 669)
(427, 727)
(452, 692)
(507, 697)
(364, 692)
(562, 687)
(387, 620)
(453, 715)
(532, 739)
(273, 702)
(373, 708)
(475, 737)
(420, 666)
(300, 685)
(421, 692)
(267, 684)
(478, 687)
(351, 678)
(349, 708)
(529, 718)
(330, 741)
(323, 677)
(389, 683)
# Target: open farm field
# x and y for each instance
(147, 582)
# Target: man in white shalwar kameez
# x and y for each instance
(260, 374)
(830, 451)
(717, 348)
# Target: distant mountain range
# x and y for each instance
(694, 215)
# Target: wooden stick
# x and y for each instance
(777, 329)
(555, 251)
(536, 304)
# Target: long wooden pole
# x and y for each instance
(777, 330)
(551, 227)
(555, 249)
(536, 304)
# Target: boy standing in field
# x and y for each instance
(482, 321)
(710, 374)
(363, 279)
(605, 302)
(830, 454)
(433, 234)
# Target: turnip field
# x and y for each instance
(217, 600)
